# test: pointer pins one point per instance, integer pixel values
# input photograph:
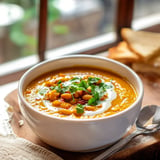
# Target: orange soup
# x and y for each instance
(80, 92)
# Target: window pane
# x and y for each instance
(18, 29)
(75, 20)
(146, 8)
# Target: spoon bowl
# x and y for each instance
(148, 113)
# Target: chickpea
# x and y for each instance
(56, 103)
(65, 105)
(78, 94)
(90, 108)
(53, 95)
(65, 111)
(86, 97)
(66, 96)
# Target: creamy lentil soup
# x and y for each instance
(80, 92)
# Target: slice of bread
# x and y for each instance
(145, 44)
(145, 68)
(122, 53)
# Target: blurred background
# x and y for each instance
(69, 21)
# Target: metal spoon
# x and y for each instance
(147, 112)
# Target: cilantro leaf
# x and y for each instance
(80, 108)
(94, 100)
(58, 88)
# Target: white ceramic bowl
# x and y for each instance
(75, 134)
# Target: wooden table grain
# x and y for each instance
(142, 147)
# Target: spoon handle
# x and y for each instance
(116, 147)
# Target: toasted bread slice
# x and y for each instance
(122, 53)
(145, 44)
(145, 68)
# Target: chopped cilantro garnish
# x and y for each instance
(58, 88)
(94, 99)
(59, 82)
(73, 88)
(83, 84)
(92, 80)
(80, 108)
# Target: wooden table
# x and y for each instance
(142, 147)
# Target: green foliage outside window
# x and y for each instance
(18, 31)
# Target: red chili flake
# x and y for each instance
(82, 102)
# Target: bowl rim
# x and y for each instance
(139, 97)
